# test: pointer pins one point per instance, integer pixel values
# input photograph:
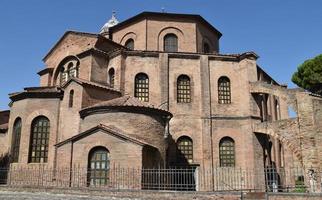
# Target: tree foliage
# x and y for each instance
(309, 75)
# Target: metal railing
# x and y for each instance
(177, 179)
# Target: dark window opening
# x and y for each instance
(206, 48)
(129, 44)
(16, 140)
(71, 98)
(111, 74)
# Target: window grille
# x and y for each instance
(227, 152)
(16, 140)
(142, 87)
(39, 140)
(185, 150)
(224, 93)
(183, 89)
(170, 43)
(99, 166)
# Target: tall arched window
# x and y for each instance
(170, 43)
(111, 77)
(99, 166)
(206, 48)
(71, 99)
(142, 87)
(16, 134)
(129, 44)
(185, 150)
(183, 89)
(227, 152)
(40, 129)
(224, 93)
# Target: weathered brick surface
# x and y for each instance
(255, 97)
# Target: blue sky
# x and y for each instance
(283, 33)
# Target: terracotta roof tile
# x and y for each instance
(125, 101)
(94, 84)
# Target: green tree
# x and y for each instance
(309, 75)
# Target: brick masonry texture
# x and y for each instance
(257, 118)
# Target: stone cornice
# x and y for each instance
(45, 71)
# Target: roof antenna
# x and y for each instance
(163, 9)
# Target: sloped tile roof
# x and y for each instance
(38, 92)
(112, 130)
(90, 83)
(125, 101)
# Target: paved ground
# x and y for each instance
(10, 195)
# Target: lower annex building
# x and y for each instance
(154, 91)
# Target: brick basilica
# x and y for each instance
(155, 91)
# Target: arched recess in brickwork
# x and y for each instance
(282, 92)
(207, 41)
(63, 67)
(127, 36)
(288, 139)
(170, 30)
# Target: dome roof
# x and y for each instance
(112, 22)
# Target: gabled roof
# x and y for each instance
(126, 102)
(111, 130)
(145, 15)
(99, 37)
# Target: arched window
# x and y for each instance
(16, 134)
(39, 140)
(227, 152)
(142, 87)
(99, 166)
(129, 44)
(68, 69)
(111, 77)
(185, 150)
(206, 48)
(170, 43)
(71, 70)
(71, 98)
(224, 94)
(183, 89)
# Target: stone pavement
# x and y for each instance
(11, 195)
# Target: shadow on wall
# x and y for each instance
(175, 157)
(4, 165)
